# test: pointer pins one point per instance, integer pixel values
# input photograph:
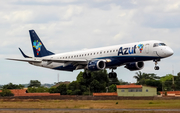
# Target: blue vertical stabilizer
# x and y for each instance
(38, 48)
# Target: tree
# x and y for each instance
(62, 89)
(167, 82)
(112, 88)
(53, 90)
(95, 86)
(177, 82)
(142, 77)
(69, 92)
(6, 92)
(37, 89)
(154, 83)
(97, 83)
(34, 83)
(74, 88)
(13, 86)
(121, 82)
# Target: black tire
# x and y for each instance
(156, 67)
(110, 75)
(114, 75)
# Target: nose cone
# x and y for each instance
(169, 52)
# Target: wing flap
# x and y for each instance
(81, 61)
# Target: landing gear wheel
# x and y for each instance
(112, 75)
(156, 67)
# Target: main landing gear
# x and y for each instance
(156, 67)
(112, 74)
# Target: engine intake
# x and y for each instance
(133, 66)
(96, 65)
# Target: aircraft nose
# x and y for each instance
(169, 52)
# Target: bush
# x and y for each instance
(158, 93)
(86, 93)
(69, 92)
(6, 92)
(76, 92)
(53, 90)
(37, 89)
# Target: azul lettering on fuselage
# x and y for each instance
(127, 50)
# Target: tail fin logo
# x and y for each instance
(37, 45)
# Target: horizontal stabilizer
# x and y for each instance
(25, 60)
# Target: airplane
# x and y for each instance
(131, 56)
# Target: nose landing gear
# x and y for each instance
(156, 67)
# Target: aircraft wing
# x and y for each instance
(78, 61)
(25, 60)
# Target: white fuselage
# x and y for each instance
(113, 55)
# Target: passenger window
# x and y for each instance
(113, 50)
(110, 51)
(100, 52)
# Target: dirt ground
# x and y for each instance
(89, 106)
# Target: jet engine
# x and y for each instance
(96, 65)
(133, 66)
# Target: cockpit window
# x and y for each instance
(162, 44)
(155, 45)
(159, 44)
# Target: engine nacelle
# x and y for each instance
(96, 65)
(133, 66)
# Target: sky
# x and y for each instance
(70, 25)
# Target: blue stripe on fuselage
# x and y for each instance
(115, 61)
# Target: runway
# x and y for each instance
(92, 110)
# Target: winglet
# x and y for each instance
(24, 54)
